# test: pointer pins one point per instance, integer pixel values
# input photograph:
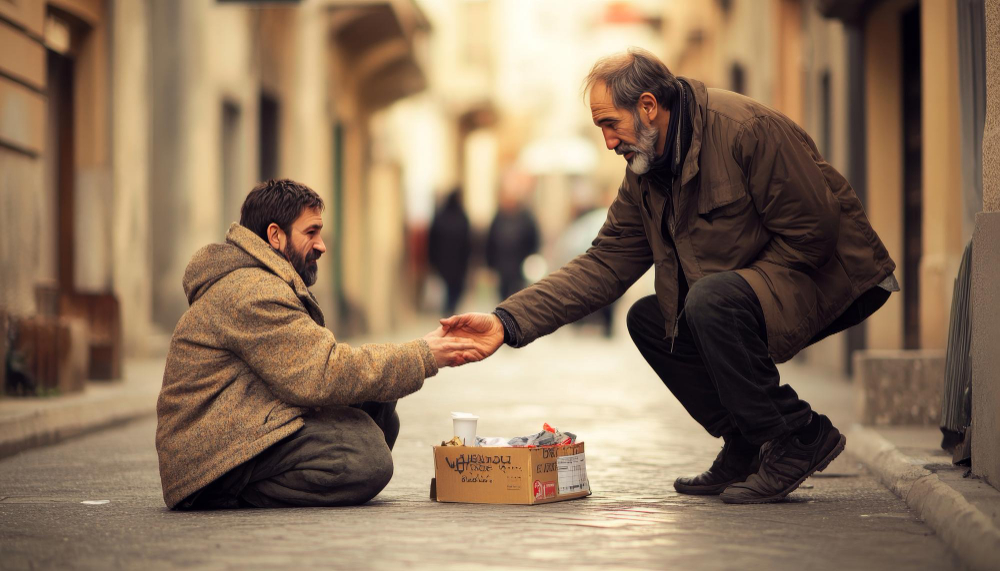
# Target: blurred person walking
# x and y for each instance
(449, 246)
(513, 237)
(261, 406)
(760, 248)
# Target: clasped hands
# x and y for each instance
(465, 338)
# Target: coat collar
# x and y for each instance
(699, 110)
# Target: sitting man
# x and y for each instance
(260, 405)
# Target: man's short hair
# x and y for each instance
(279, 201)
(628, 75)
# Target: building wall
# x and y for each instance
(943, 240)
(883, 117)
(192, 78)
(25, 211)
(132, 264)
(986, 275)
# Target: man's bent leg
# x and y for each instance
(728, 328)
(681, 368)
(340, 457)
(683, 371)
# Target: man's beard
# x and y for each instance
(304, 264)
(644, 148)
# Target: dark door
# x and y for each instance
(913, 184)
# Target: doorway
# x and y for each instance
(913, 165)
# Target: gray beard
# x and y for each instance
(644, 148)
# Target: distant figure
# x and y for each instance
(513, 237)
(449, 247)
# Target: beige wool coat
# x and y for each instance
(250, 356)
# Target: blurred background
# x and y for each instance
(450, 140)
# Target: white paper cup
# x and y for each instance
(465, 427)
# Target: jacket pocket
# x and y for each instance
(723, 199)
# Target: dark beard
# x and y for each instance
(305, 265)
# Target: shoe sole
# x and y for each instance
(704, 490)
(781, 495)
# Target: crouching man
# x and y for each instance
(261, 406)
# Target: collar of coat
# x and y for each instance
(698, 115)
(244, 239)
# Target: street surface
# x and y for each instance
(638, 440)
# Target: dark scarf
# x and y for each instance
(668, 165)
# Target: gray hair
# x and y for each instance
(628, 75)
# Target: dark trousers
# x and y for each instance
(719, 368)
(340, 457)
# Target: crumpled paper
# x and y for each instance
(549, 436)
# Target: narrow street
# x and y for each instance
(638, 440)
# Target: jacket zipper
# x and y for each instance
(677, 330)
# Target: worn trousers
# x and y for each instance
(718, 366)
(340, 457)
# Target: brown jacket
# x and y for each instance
(754, 196)
(251, 356)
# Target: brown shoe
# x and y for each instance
(735, 463)
(785, 463)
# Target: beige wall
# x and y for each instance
(788, 56)
(25, 211)
(943, 242)
(130, 94)
(883, 116)
(986, 275)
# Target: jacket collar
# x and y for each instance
(699, 110)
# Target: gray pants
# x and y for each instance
(340, 457)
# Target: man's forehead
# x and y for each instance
(309, 217)
(600, 101)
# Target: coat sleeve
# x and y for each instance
(304, 365)
(790, 193)
(617, 258)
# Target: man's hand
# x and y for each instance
(483, 329)
(451, 351)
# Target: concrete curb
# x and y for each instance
(30, 422)
(51, 425)
(971, 534)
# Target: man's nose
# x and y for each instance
(320, 246)
(610, 139)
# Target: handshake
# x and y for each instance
(465, 338)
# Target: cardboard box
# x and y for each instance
(505, 475)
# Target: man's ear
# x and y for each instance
(648, 106)
(276, 237)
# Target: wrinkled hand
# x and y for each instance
(451, 351)
(483, 329)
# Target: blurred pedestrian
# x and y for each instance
(449, 246)
(760, 248)
(261, 406)
(513, 237)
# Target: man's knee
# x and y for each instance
(355, 463)
(642, 315)
(368, 465)
(370, 475)
(713, 293)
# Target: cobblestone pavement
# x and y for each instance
(638, 440)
